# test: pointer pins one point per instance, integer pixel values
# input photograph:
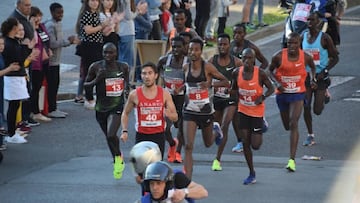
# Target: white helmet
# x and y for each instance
(142, 154)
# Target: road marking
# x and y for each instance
(338, 80)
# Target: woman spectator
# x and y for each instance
(40, 64)
(90, 29)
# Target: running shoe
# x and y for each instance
(291, 166)
(90, 104)
(238, 148)
(178, 158)
(56, 114)
(3, 132)
(219, 133)
(172, 151)
(216, 166)
(250, 180)
(119, 167)
(79, 100)
(309, 141)
(22, 126)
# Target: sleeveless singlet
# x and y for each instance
(249, 91)
(149, 113)
(173, 77)
(292, 74)
(319, 54)
(197, 101)
(109, 91)
(223, 92)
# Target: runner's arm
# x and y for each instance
(130, 105)
(170, 110)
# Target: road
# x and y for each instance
(67, 160)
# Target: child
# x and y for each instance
(57, 41)
(3, 71)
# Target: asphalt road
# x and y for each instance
(67, 160)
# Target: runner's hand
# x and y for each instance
(124, 137)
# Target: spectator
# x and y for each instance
(210, 27)
(143, 28)
(260, 13)
(126, 48)
(108, 12)
(154, 14)
(15, 88)
(91, 39)
(22, 13)
(3, 70)
(167, 22)
(39, 64)
(202, 16)
(224, 14)
(57, 41)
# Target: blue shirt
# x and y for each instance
(319, 54)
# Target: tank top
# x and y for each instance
(249, 91)
(149, 113)
(174, 77)
(292, 74)
(223, 92)
(109, 91)
(197, 101)
(319, 54)
(173, 33)
(236, 52)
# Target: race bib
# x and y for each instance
(315, 53)
(198, 96)
(174, 83)
(150, 116)
(291, 84)
(247, 97)
(114, 87)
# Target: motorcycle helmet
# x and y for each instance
(160, 171)
(142, 154)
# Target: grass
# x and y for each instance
(272, 15)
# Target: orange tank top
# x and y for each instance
(172, 33)
(150, 113)
(291, 74)
(249, 91)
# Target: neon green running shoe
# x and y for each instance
(291, 166)
(216, 166)
(119, 167)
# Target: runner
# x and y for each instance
(224, 105)
(325, 56)
(288, 71)
(152, 104)
(198, 108)
(248, 82)
(236, 47)
(111, 79)
(170, 67)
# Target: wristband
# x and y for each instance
(124, 131)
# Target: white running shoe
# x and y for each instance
(90, 104)
(16, 139)
(40, 117)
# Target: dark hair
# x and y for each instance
(241, 25)
(295, 35)
(150, 64)
(35, 11)
(185, 34)
(179, 11)
(55, 6)
(178, 39)
(224, 35)
(198, 41)
(112, 9)
(8, 25)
